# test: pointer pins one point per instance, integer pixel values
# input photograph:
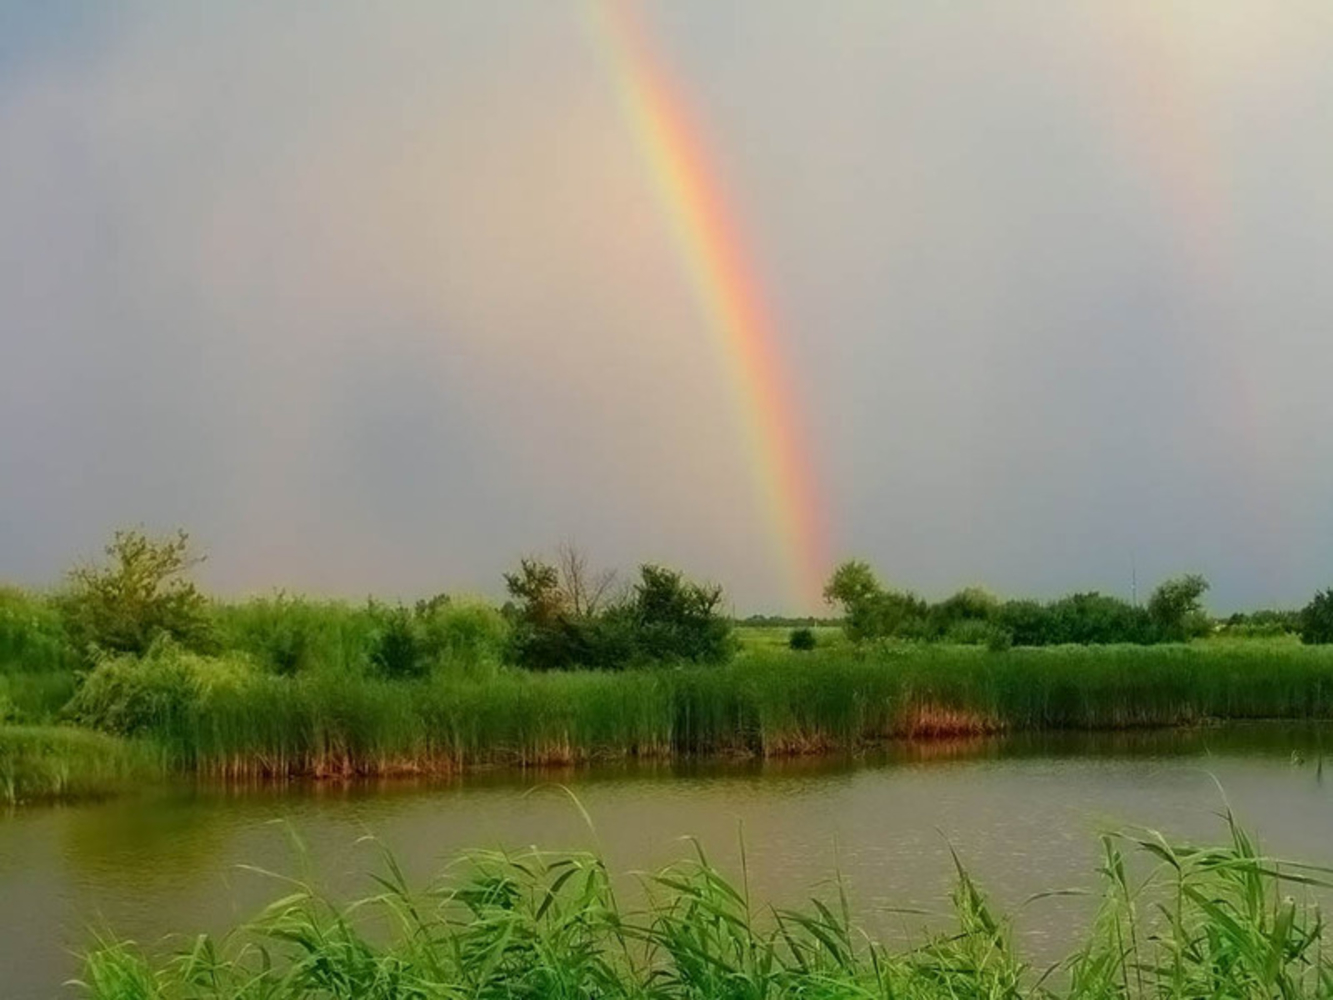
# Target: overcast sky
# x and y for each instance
(379, 297)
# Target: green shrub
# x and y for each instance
(292, 635)
(1176, 608)
(802, 640)
(1316, 621)
(400, 651)
(872, 612)
(665, 618)
(675, 619)
(32, 634)
(463, 634)
(158, 694)
(141, 594)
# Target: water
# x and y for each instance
(1023, 813)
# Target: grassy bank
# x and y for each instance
(223, 716)
(1219, 922)
(59, 762)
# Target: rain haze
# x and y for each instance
(379, 298)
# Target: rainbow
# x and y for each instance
(729, 294)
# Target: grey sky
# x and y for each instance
(379, 297)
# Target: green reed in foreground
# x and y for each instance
(1208, 922)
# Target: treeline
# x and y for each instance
(973, 616)
(559, 615)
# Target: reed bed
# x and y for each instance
(59, 762)
(225, 718)
(1218, 922)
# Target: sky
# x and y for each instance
(379, 298)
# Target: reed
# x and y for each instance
(1217, 922)
(225, 717)
(50, 762)
(32, 634)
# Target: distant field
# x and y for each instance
(756, 638)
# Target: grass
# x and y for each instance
(773, 638)
(225, 717)
(1218, 922)
(51, 762)
(32, 634)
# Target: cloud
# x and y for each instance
(378, 299)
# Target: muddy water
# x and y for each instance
(1023, 812)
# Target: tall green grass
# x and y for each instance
(58, 762)
(225, 716)
(1217, 922)
(32, 634)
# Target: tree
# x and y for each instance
(587, 590)
(1176, 608)
(852, 583)
(871, 612)
(561, 618)
(141, 593)
(971, 604)
(1316, 619)
(400, 650)
(675, 619)
(537, 591)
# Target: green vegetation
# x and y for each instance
(975, 617)
(802, 640)
(1316, 619)
(50, 762)
(141, 593)
(560, 623)
(226, 716)
(282, 685)
(1220, 922)
(32, 635)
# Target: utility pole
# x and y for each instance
(1133, 579)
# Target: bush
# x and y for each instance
(665, 618)
(802, 640)
(1316, 621)
(1176, 608)
(975, 632)
(400, 651)
(32, 635)
(141, 594)
(463, 634)
(292, 635)
(1266, 623)
(158, 693)
(872, 612)
(972, 604)
(1028, 623)
(674, 619)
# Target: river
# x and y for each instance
(1023, 812)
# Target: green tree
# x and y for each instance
(400, 649)
(869, 611)
(676, 619)
(141, 592)
(1176, 608)
(1316, 620)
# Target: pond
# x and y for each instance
(1023, 812)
